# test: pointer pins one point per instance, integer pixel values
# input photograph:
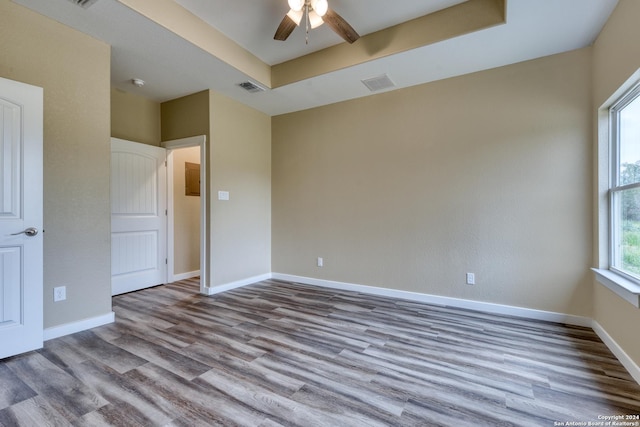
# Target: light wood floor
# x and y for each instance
(278, 353)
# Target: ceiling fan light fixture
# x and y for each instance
(315, 20)
(320, 7)
(315, 13)
(296, 5)
(296, 16)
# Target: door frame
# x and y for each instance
(194, 141)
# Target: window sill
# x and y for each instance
(624, 288)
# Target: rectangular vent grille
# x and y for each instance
(251, 87)
(379, 83)
(83, 3)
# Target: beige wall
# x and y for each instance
(74, 71)
(616, 57)
(240, 162)
(185, 117)
(487, 173)
(186, 210)
(135, 118)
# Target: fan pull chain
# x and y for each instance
(307, 24)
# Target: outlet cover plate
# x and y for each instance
(59, 293)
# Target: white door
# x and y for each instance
(20, 217)
(138, 216)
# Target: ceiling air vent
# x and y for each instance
(83, 3)
(251, 87)
(379, 83)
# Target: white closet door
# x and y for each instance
(138, 216)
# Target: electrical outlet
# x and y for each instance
(471, 279)
(59, 293)
(320, 262)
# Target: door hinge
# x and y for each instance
(165, 163)
(166, 212)
(166, 260)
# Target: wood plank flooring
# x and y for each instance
(284, 354)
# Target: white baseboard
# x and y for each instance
(237, 284)
(617, 351)
(444, 301)
(185, 276)
(81, 325)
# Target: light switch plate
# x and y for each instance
(223, 195)
(471, 279)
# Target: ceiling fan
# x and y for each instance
(314, 13)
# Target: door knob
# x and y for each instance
(31, 231)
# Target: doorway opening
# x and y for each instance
(186, 212)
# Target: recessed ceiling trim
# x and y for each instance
(454, 21)
(177, 19)
(461, 19)
(178, 67)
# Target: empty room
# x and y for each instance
(319, 213)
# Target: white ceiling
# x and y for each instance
(173, 67)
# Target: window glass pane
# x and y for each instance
(629, 140)
(626, 231)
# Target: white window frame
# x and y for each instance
(614, 143)
(625, 286)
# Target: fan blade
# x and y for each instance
(285, 28)
(340, 26)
